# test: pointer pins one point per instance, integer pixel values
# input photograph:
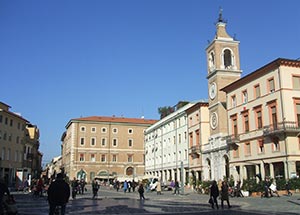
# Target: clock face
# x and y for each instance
(213, 90)
(214, 120)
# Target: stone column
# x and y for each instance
(257, 171)
(262, 169)
(271, 170)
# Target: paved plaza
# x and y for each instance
(113, 202)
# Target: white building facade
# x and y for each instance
(167, 148)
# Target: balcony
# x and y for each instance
(232, 139)
(282, 127)
(195, 150)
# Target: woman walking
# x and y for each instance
(214, 193)
(224, 194)
(141, 191)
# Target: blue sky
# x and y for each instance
(64, 59)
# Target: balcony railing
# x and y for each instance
(195, 150)
(286, 126)
(232, 139)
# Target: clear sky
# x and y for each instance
(64, 59)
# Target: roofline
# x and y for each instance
(257, 73)
(112, 120)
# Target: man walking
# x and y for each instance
(95, 187)
(58, 194)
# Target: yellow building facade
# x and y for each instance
(104, 148)
(264, 122)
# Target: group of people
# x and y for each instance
(78, 187)
(215, 193)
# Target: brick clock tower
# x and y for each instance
(223, 68)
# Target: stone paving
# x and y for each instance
(113, 202)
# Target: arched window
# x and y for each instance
(129, 171)
(227, 58)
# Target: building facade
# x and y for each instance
(104, 148)
(20, 158)
(167, 145)
(223, 68)
(264, 122)
(198, 134)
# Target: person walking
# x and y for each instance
(288, 187)
(214, 193)
(224, 194)
(158, 188)
(141, 191)
(3, 190)
(82, 185)
(125, 186)
(95, 187)
(176, 188)
(58, 194)
(74, 185)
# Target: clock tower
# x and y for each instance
(223, 68)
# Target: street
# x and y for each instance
(110, 201)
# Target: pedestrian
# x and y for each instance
(214, 193)
(224, 194)
(125, 186)
(82, 185)
(176, 188)
(3, 190)
(288, 187)
(117, 185)
(58, 194)
(133, 185)
(141, 191)
(95, 187)
(158, 188)
(129, 186)
(238, 192)
(40, 187)
(74, 185)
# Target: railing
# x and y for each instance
(195, 150)
(232, 139)
(286, 126)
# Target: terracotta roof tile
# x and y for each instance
(116, 119)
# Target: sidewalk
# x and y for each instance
(110, 201)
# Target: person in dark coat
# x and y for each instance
(3, 190)
(58, 194)
(176, 188)
(224, 194)
(214, 193)
(141, 191)
(95, 187)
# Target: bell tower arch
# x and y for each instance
(223, 68)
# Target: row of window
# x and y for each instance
(8, 137)
(103, 158)
(10, 122)
(257, 93)
(103, 130)
(179, 140)
(6, 155)
(169, 158)
(93, 141)
(258, 118)
(167, 128)
(260, 147)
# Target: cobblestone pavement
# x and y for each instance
(113, 202)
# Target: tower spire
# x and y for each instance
(220, 19)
